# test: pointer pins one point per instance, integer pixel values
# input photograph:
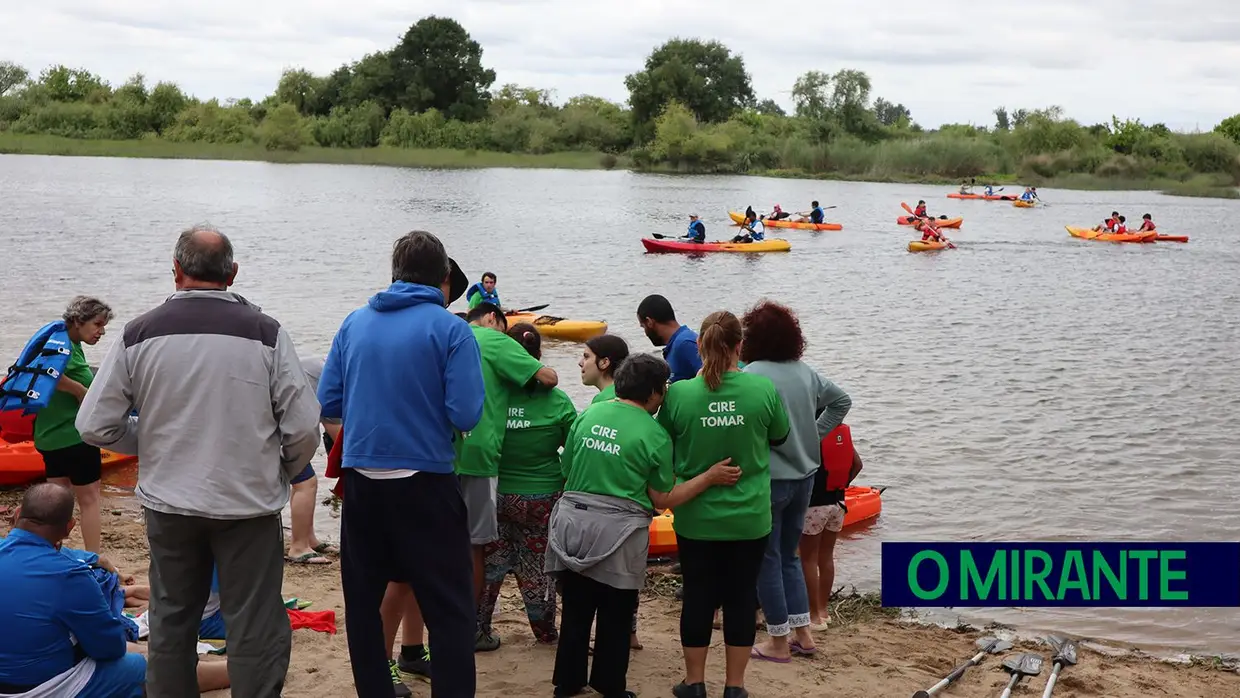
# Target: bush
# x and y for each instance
(208, 122)
(1210, 152)
(284, 129)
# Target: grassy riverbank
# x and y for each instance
(1216, 186)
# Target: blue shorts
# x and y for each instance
(212, 627)
(120, 678)
(305, 474)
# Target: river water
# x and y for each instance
(1026, 386)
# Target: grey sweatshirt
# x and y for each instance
(604, 538)
(805, 394)
(226, 413)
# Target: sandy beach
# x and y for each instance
(868, 651)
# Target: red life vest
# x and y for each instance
(920, 211)
(333, 465)
(837, 459)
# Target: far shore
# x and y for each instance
(157, 148)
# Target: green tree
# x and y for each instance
(301, 89)
(283, 129)
(768, 107)
(889, 114)
(164, 104)
(810, 95)
(1002, 122)
(1229, 127)
(11, 76)
(70, 85)
(437, 65)
(702, 76)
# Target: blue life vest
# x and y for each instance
(816, 216)
(31, 380)
(990, 191)
(758, 232)
(492, 297)
(1027, 196)
(697, 229)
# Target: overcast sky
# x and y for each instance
(949, 61)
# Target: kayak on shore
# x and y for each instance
(982, 197)
(775, 245)
(938, 222)
(1090, 234)
(739, 218)
(863, 504)
(925, 245)
(554, 327)
(20, 463)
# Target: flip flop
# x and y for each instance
(308, 559)
(800, 651)
(755, 653)
(322, 548)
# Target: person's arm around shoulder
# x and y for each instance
(86, 614)
(464, 390)
(567, 414)
(834, 404)
(516, 366)
(666, 493)
(295, 406)
(103, 419)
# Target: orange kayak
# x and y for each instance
(863, 504)
(739, 218)
(1171, 238)
(1090, 234)
(996, 197)
(939, 222)
(21, 463)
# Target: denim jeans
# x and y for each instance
(120, 678)
(781, 583)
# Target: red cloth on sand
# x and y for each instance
(322, 621)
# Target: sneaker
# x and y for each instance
(402, 691)
(419, 666)
(692, 690)
(486, 642)
(735, 692)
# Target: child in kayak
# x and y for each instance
(1109, 223)
(929, 231)
(920, 211)
(1120, 228)
(697, 231)
(778, 214)
(1147, 224)
(1031, 194)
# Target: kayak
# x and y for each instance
(1090, 234)
(21, 463)
(560, 328)
(1023, 204)
(940, 222)
(863, 504)
(739, 218)
(925, 245)
(996, 197)
(1171, 238)
(717, 246)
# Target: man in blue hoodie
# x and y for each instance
(404, 374)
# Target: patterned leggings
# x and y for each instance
(521, 549)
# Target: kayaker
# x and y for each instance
(697, 230)
(778, 214)
(1147, 224)
(599, 360)
(68, 461)
(990, 190)
(754, 231)
(1120, 227)
(483, 292)
(966, 188)
(929, 231)
(1031, 194)
(750, 213)
(1109, 223)
(920, 211)
(815, 216)
(680, 349)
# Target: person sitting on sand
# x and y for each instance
(697, 230)
(1147, 224)
(305, 548)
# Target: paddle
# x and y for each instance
(528, 310)
(1020, 666)
(988, 645)
(1065, 655)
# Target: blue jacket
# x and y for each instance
(48, 595)
(402, 374)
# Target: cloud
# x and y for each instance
(948, 61)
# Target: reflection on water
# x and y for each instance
(1026, 386)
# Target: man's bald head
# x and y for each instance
(47, 510)
(204, 256)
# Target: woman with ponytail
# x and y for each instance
(530, 483)
(722, 414)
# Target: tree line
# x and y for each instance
(691, 108)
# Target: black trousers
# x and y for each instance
(411, 530)
(583, 598)
(720, 574)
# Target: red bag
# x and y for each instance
(333, 464)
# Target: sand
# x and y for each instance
(865, 653)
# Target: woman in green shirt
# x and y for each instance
(70, 462)
(722, 535)
(618, 467)
(599, 360)
(530, 482)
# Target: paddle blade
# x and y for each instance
(1026, 664)
(907, 208)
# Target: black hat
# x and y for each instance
(459, 282)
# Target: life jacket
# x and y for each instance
(1121, 229)
(333, 465)
(31, 380)
(817, 216)
(492, 297)
(697, 229)
(837, 459)
(920, 211)
(1147, 225)
(759, 230)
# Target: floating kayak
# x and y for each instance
(1023, 204)
(21, 463)
(940, 222)
(996, 197)
(739, 218)
(1171, 238)
(863, 504)
(717, 246)
(560, 328)
(925, 245)
(1090, 234)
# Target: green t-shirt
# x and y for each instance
(53, 425)
(619, 450)
(506, 366)
(737, 421)
(608, 393)
(537, 426)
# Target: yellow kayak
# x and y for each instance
(559, 328)
(925, 245)
(739, 218)
(770, 245)
(1023, 204)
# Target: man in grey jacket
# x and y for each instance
(226, 418)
